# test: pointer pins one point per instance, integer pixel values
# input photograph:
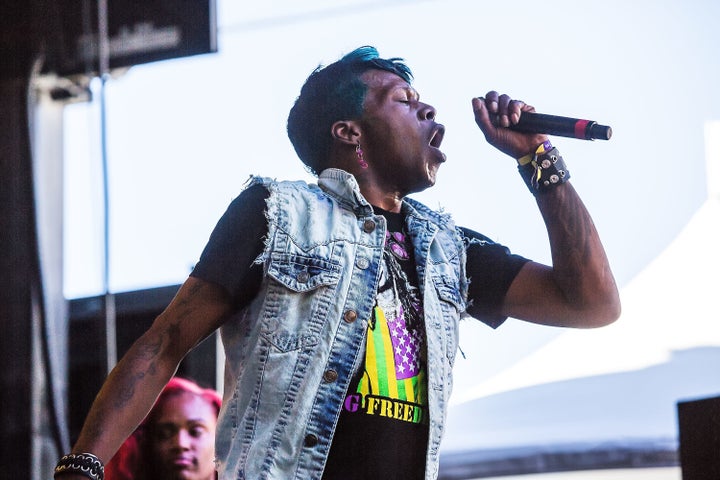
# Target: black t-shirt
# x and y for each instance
(382, 431)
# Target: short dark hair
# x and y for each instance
(333, 93)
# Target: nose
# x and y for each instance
(183, 439)
(427, 112)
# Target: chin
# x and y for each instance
(182, 474)
(421, 187)
(431, 176)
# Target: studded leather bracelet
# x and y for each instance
(85, 464)
(543, 170)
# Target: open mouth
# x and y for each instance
(437, 136)
(436, 139)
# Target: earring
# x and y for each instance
(361, 159)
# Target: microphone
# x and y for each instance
(561, 126)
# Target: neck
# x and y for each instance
(377, 192)
(390, 201)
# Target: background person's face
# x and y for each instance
(185, 439)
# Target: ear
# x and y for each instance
(346, 131)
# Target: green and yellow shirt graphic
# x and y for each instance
(393, 383)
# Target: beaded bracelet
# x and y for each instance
(545, 170)
(85, 464)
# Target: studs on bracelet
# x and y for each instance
(546, 170)
(85, 464)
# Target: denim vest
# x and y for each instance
(291, 353)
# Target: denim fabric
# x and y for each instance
(291, 353)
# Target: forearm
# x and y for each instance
(127, 395)
(580, 266)
(131, 389)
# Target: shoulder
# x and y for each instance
(471, 237)
(272, 184)
(419, 209)
(261, 193)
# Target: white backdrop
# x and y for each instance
(185, 134)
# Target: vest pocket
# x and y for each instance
(301, 273)
(300, 293)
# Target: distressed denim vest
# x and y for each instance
(290, 355)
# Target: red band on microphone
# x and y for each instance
(580, 127)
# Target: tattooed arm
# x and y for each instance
(132, 387)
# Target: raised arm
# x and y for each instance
(134, 384)
(579, 289)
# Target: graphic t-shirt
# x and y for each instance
(385, 412)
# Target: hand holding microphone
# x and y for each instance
(499, 116)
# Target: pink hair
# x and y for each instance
(129, 463)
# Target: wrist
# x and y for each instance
(85, 464)
(539, 150)
(544, 169)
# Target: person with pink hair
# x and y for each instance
(176, 441)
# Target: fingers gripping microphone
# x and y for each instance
(561, 126)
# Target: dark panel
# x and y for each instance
(139, 31)
(17, 274)
(699, 422)
(20, 37)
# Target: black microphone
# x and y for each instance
(561, 126)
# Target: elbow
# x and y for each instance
(609, 314)
(601, 304)
(603, 313)
(158, 346)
